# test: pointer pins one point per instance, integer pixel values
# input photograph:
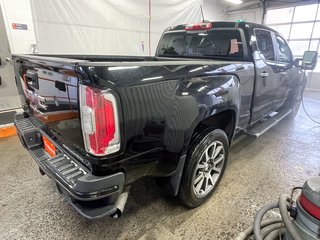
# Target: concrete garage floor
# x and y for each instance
(259, 170)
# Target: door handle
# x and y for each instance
(264, 74)
(284, 73)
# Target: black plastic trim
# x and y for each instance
(92, 196)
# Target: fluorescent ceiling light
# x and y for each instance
(235, 1)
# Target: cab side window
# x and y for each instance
(284, 52)
(265, 45)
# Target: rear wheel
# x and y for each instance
(205, 165)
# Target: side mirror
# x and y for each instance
(309, 60)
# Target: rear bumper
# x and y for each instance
(92, 196)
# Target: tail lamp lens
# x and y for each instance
(99, 121)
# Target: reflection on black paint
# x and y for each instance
(159, 108)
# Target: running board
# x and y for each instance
(261, 127)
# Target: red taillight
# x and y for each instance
(198, 26)
(99, 121)
(310, 207)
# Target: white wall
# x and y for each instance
(18, 11)
(313, 81)
(213, 10)
(253, 15)
(107, 27)
(100, 26)
(112, 27)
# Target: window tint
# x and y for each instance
(215, 43)
(265, 46)
(172, 44)
(284, 52)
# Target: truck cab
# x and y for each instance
(275, 73)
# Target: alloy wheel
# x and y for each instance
(208, 169)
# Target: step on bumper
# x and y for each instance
(92, 196)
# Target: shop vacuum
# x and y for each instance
(300, 219)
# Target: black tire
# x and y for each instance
(295, 102)
(188, 190)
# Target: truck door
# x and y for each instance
(284, 66)
(267, 74)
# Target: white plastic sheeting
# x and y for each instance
(106, 27)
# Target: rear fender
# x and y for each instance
(218, 94)
(204, 97)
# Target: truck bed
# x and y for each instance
(146, 88)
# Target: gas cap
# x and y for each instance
(310, 197)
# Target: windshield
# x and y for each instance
(213, 43)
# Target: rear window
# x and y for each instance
(213, 43)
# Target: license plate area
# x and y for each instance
(49, 147)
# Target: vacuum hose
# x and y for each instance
(258, 219)
(284, 198)
(272, 228)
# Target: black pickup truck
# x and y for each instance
(97, 124)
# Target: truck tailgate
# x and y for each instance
(48, 89)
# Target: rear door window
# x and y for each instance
(264, 44)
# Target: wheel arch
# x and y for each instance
(224, 120)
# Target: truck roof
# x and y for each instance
(220, 24)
